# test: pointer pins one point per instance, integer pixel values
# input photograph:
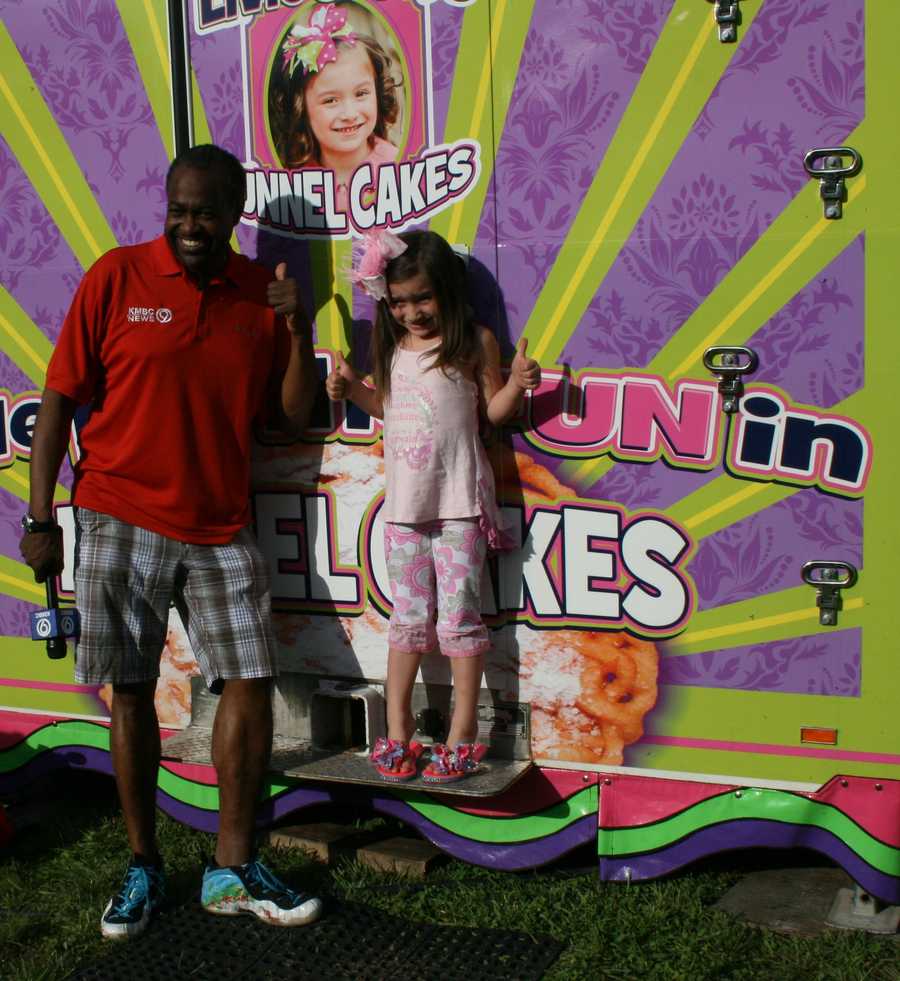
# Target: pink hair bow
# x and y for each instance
(315, 46)
(379, 247)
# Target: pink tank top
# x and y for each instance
(435, 463)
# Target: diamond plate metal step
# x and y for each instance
(301, 760)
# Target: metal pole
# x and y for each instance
(180, 64)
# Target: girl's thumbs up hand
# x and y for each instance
(338, 382)
(525, 371)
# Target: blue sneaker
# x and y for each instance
(128, 913)
(252, 888)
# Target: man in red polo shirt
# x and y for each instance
(179, 345)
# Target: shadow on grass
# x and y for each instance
(746, 860)
(56, 811)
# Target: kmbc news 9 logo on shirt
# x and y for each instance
(149, 315)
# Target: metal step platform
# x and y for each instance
(300, 760)
(324, 725)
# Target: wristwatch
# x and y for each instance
(31, 524)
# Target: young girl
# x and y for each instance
(436, 374)
(332, 99)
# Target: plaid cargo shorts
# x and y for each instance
(126, 578)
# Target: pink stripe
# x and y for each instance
(774, 750)
(203, 773)
(46, 686)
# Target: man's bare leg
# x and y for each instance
(135, 747)
(241, 747)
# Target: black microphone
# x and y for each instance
(54, 625)
(56, 643)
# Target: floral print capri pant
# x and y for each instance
(435, 569)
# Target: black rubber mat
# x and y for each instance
(350, 943)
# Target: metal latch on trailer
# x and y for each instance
(729, 365)
(829, 578)
(831, 174)
(728, 16)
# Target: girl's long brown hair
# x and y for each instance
(460, 346)
(295, 143)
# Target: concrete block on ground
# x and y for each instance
(324, 841)
(412, 857)
(794, 901)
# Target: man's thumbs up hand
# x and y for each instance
(284, 297)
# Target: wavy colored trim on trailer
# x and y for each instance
(650, 827)
(513, 842)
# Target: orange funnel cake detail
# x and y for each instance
(589, 690)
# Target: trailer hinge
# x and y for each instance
(728, 16)
(829, 578)
(729, 365)
(831, 175)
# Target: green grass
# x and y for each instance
(55, 879)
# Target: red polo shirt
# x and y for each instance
(176, 376)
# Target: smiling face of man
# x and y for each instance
(200, 218)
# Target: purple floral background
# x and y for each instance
(85, 70)
(763, 553)
(813, 346)
(446, 26)
(216, 60)
(30, 245)
(580, 64)
(795, 83)
(824, 664)
(83, 66)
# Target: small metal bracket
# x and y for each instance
(831, 175)
(728, 16)
(855, 909)
(829, 578)
(729, 365)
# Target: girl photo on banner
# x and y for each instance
(337, 97)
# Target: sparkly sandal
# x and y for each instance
(395, 760)
(448, 764)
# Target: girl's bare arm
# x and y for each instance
(366, 398)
